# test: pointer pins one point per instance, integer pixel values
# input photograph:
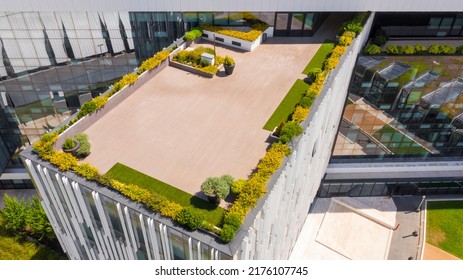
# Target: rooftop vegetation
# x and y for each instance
(211, 213)
(287, 105)
(320, 56)
(258, 27)
(146, 190)
(444, 226)
(193, 58)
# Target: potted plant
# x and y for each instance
(70, 146)
(217, 188)
(229, 64)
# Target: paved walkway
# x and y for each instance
(405, 244)
(343, 228)
(181, 128)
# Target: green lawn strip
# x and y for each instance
(398, 142)
(320, 56)
(12, 248)
(127, 175)
(287, 105)
(444, 226)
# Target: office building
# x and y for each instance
(57, 56)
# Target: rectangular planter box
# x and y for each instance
(235, 42)
(189, 69)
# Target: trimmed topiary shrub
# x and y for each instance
(313, 74)
(372, 49)
(409, 49)
(434, 49)
(289, 131)
(380, 40)
(394, 49)
(447, 49)
(227, 234)
(419, 48)
(190, 218)
(232, 220)
(459, 50)
(307, 101)
(237, 186)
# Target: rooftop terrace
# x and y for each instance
(181, 128)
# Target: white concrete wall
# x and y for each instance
(228, 41)
(233, 5)
(279, 222)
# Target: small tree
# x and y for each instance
(372, 49)
(217, 186)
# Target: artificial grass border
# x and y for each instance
(320, 56)
(212, 213)
(287, 105)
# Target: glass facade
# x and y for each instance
(53, 62)
(419, 24)
(421, 187)
(403, 106)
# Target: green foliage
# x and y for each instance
(69, 144)
(237, 186)
(92, 105)
(84, 145)
(289, 131)
(409, 49)
(26, 219)
(159, 192)
(313, 73)
(345, 40)
(278, 128)
(190, 217)
(300, 114)
(319, 58)
(354, 25)
(14, 214)
(152, 62)
(447, 49)
(64, 161)
(219, 186)
(287, 105)
(307, 101)
(227, 234)
(434, 49)
(229, 61)
(86, 170)
(232, 220)
(419, 48)
(252, 35)
(380, 40)
(394, 49)
(193, 34)
(349, 34)
(459, 50)
(372, 49)
(330, 63)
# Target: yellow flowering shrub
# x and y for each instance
(300, 114)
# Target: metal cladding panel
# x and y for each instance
(234, 5)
